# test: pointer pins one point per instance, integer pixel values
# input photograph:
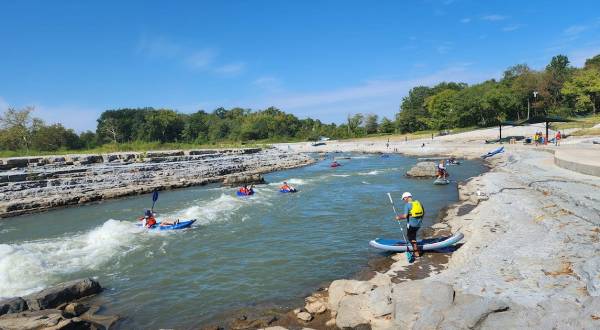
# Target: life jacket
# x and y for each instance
(150, 222)
(416, 211)
(285, 187)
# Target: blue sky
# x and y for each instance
(322, 59)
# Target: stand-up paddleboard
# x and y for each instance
(493, 152)
(441, 181)
(182, 224)
(424, 245)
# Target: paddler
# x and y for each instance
(442, 173)
(286, 187)
(148, 220)
(413, 213)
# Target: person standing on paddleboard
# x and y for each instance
(413, 213)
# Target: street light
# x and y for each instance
(535, 100)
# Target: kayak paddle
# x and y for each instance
(154, 199)
(409, 254)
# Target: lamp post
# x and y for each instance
(535, 100)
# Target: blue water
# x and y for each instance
(241, 251)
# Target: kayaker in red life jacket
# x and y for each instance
(148, 220)
(285, 186)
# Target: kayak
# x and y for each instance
(239, 193)
(181, 225)
(335, 165)
(493, 152)
(288, 191)
(385, 156)
(440, 181)
(425, 245)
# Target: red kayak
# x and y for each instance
(335, 164)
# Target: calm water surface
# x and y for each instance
(241, 251)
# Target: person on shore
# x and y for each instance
(413, 214)
(557, 138)
(441, 170)
(536, 138)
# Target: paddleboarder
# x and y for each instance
(413, 213)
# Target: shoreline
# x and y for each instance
(54, 182)
(487, 282)
(273, 314)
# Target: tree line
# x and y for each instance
(559, 89)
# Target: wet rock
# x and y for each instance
(75, 309)
(244, 322)
(423, 170)
(62, 293)
(12, 305)
(31, 320)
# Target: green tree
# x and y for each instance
(386, 126)
(164, 126)
(584, 88)
(371, 123)
(354, 123)
(15, 126)
(593, 63)
(442, 109)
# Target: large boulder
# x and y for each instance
(62, 293)
(423, 170)
(12, 305)
(50, 319)
(340, 288)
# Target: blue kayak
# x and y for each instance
(427, 244)
(239, 193)
(493, 152)
(181, 225)
(287, 191)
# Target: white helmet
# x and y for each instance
(406, 195)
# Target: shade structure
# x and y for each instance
(507, 123)
(547, 120)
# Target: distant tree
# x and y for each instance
(584, 88)
(164, 125)
(110, 127)
(54, 137)
(16, 128)
(88, 139)
(386, 126)
(354, 122)
(371, 124)
(557, 72)
(593, 63)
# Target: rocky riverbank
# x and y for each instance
(33, 184)
(530, 257)
(61, 307)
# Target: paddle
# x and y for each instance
(409, 255)
(154, 199)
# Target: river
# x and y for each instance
(242, 251)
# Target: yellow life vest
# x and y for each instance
(416, 211)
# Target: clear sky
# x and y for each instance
(323, 59)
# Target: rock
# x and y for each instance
(339, 288)
(275, 328)
(243, 322)
(351, 311)
(423, 170)
(380, 280)
(330, 323)
(12, 305)
(380, 301)
(469, 310)
(71, 324)
(238, 180)
(304, 316)
(316, 307)
(62, 293)
(31, 320)
(412, 298)
(75, 309)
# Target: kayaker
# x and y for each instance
(442, 173)
(413, 213)
(285, 186)
(244, 190)
(148, 220)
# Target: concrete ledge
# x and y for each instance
(579, 160)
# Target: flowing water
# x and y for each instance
(241, 251)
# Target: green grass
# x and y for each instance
(587, 132)
(580, 122)
(133, 146)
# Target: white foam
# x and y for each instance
(31, 266)
(341, 175)
(225, 207)
(369, 173)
